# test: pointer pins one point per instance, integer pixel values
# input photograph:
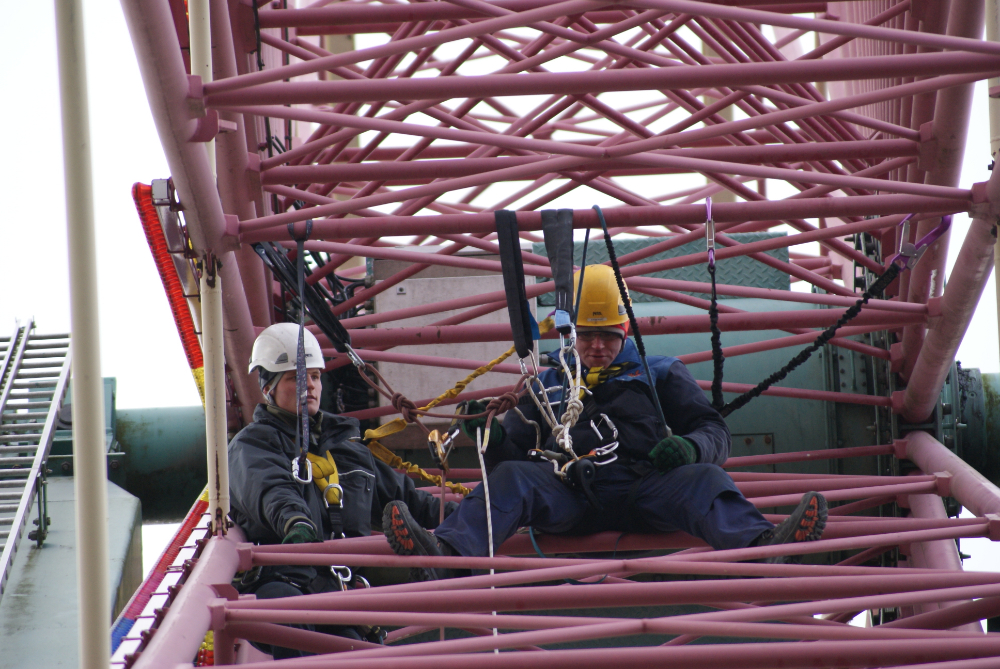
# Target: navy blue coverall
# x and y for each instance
(700, 499)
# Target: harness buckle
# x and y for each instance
(297, 466)
(335, 486)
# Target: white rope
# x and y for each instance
(489, 514)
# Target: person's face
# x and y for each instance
(598, 349)
(284, 391)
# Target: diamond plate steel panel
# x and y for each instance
(740, 271)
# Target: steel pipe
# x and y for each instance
(946, 331)
(89, 446)
(969, 487)
(182, 631)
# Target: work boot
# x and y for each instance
(407, 537)
(806, 523)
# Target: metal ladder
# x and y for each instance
(34, 374)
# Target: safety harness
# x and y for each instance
(909, 254)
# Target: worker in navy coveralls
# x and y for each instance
(656, 484)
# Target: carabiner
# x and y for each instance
(296, 466)
(709, 231)
(355, 358)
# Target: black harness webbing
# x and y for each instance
(613, 257)
(718, 359)
(314, 303)
(557, 228)
(513, 281)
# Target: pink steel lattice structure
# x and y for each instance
(853, 113)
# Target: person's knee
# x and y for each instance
(514, 474)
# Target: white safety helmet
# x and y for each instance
(276, 348)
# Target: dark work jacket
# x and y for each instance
(266, 501)
(627, 399)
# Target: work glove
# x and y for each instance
(673, 452)
(301, 533)
(469, 427)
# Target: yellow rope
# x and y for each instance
(398, 424)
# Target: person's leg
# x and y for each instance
(521, 493)
(703, 501)
(276, 590)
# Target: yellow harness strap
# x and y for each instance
(396, 462)
(324, 471)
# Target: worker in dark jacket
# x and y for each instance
(656, 482)
(349, 488)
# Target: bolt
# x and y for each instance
(748, 441)
(767, 439)
(65, 466)
(115, 464)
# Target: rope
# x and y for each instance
(718, 359)
(879, 286)
(631, 315)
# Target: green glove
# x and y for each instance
(673, 452)
(301, 533)
(469, 427)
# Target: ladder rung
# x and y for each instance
(6, 521)
(14, 415)
(58, 335)
(20, 472)
(26, 438)
(9, 508)
(11, 495)
(34, 384)
(47, 344)
(37, 375)
(22, 427)
(30, 405)
(30, 393)
(17, 461)
(39, 365)
(44, 355)
(12, 484)
(21, 448)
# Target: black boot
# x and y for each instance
(806, 523)
(408, 537)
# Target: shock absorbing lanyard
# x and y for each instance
(301, 469)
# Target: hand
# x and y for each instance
(673, 452)
(301, 533)
(469, 427)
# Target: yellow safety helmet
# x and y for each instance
(600, 303)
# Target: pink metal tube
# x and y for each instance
(969, 487)
(953, 107)
(803, 393)
(580, 83)
(861, 653)
(935, 554)
(273, 227)
(409, 44)
(767, 320)
(183, 629)
(167, 89)
(965, 287)
(447, 168)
